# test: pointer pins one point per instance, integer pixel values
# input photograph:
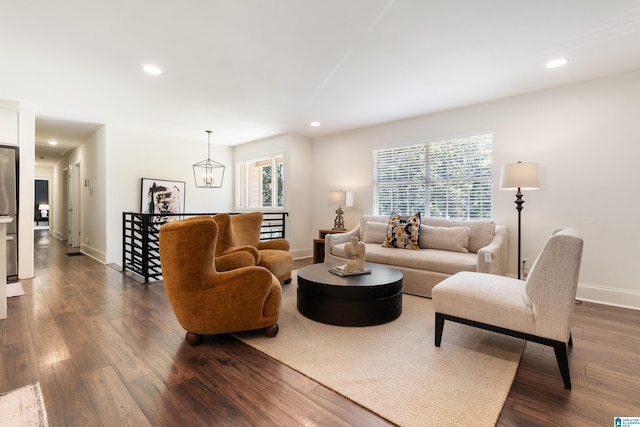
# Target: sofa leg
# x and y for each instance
(439, 328)
(193, 339)
(570, 340)
(560, 350)
(271, 331)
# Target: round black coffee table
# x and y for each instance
(362, 300)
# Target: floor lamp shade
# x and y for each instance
(524, 176)
(519, 176)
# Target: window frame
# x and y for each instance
(244, 180)
(460, 167)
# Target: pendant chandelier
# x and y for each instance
(208, 173)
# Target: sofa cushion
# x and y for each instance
(482, 232)
(375, 232)
(454, 239)
(364, 219)
(403, 232)
(446, 262)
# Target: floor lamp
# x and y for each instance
(520, 176)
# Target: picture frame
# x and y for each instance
(162, 196)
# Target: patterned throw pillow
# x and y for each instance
(403, 232)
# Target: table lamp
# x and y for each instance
(340, 198)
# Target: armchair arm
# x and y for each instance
(252, 251)
(279, 244)
(243, 293)
(235, 259)
(331, 240)
(493, 257)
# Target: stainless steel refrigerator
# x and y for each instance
(9, 206)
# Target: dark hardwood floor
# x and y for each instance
(108, 351)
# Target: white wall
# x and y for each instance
(297, 171)
(133, 155)
(26, 132)
(89, 156)
(585, 139)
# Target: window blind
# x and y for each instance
(449, 178)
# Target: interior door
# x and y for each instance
(73, 238)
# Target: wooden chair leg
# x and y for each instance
(271, 331)
(439, 328)
(193, 339)
(560, 349)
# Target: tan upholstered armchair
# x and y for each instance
(274, 254)
(537, 310)
(206, 301)
(228, 258)
(236, 257)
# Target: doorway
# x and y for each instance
(42, 208)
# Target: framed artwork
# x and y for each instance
(159, 196)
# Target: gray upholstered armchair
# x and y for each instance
(537, 310)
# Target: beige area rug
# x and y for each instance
(14, 290)
(394, 369)
(23, 407)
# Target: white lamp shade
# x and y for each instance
(341, 198)
(43, 207)
(520, 175)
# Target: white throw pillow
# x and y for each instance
(482, 232)
(455, 239)
(375, 232)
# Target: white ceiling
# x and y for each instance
(249, 69)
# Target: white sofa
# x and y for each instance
(446, 247)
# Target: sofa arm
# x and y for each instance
(492, 258)
(330, 240)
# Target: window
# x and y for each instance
(450, 178)
(260, 183)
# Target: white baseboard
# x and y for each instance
(301, 253)
(609, 296)
(93, 252)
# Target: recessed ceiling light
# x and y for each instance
(152, 69)
(556, 63)
(315, 124)
(53, 142)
